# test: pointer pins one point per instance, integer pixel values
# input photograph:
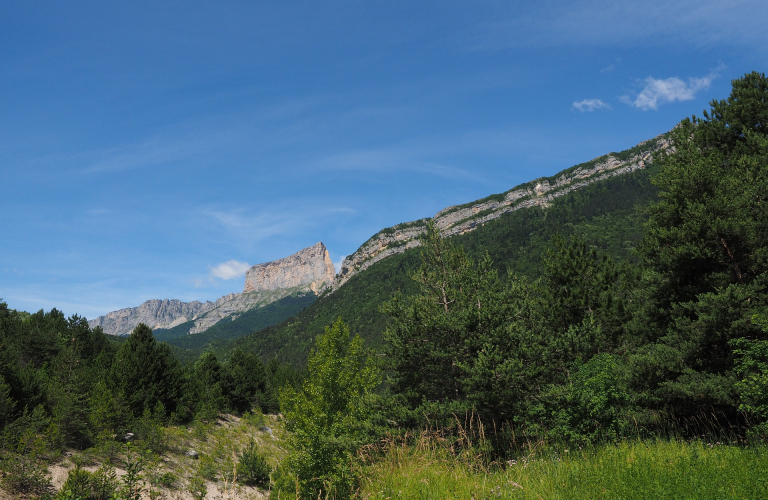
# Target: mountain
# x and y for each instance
(598, 199)
(310, 266)
(308, 271)
(602, 200)
(460, 219)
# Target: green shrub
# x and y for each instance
(197, 487)
(252, 469)
(328, 415)
(23, 474)
(78, 486)
(132, 480)
(255, 418)
(149, 429)
(206, 467)
(595, 407)
(600, 398)
(104, 483)
(751, 367)
(167, 480)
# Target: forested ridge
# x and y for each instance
(585, 348)
(608, 215)
(633, 309)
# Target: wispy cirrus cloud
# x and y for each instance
(252, 226)
(229, 270)
(589, 105)
(658, 91)
(393, 158)
(625, 22)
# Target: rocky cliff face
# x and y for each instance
(310, 269)
(460, 219)
(311, 266)
(154, 313)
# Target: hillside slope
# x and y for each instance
(608, 213)
(461, 219)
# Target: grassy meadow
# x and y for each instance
(662, 469)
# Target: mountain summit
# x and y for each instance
(311, 266)
(308, 270)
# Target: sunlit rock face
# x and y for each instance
(307, 267)
(309, 270)
(153, 313)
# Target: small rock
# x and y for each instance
(265, 429)
(192, 454)
(127, 437)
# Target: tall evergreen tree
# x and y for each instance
(705, 251)
(247, 381)
(145, 372)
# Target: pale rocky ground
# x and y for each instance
(230, 434)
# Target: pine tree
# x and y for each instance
(706, 254)
(145, 372)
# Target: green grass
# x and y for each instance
(668, 469)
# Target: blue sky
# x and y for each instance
(154, 149)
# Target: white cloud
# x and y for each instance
(673, 89)
(590, 105)
(230, 270)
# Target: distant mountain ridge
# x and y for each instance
(309, 270)
(460, 219)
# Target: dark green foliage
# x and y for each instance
(246, 323)
(247, 383)
(48, 367)
(706, 255)
(751, 367)
(582, 285)
(7, 405)
(596, 406)
(207, 380)
(604, 214)
(435, 337)
(252, 468)
(469, 337)
(145, 372)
